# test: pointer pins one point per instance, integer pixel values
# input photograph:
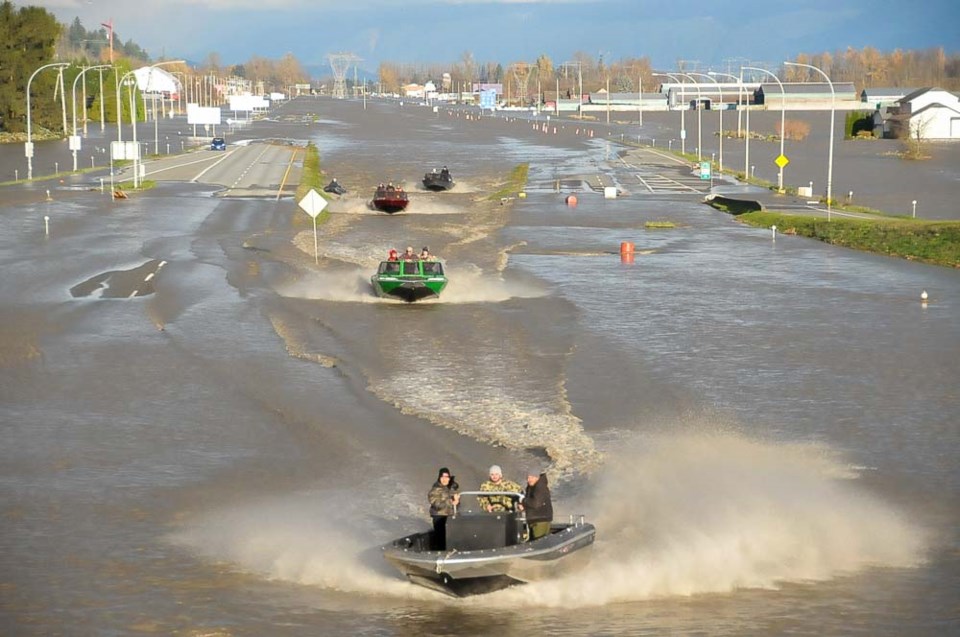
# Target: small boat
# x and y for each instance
(486, 551)
(335, 188)
(389, 199)
(409, 280)
(438, 180)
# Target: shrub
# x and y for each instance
(795, 129)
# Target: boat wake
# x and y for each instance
(303, 538)
(691, 514)
(467, 285)
(675, 516)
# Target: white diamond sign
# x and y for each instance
(313, 204)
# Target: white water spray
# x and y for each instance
(696, 514)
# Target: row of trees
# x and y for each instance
(867, 67)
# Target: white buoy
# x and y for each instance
(773, 232)
(923, 296)
(46, 226)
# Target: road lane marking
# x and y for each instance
(283, 182)
(204, 171)
(188, 163)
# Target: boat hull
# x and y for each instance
(462, 573)
(437, 182)
(409, 291)
(390, 206)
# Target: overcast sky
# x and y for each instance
(718, 34)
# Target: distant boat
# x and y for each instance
(438, 181)
(409, 280)
(335, 188)
(389, 199)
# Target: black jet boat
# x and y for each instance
(485, 551)
(335, 187)
(435, 180)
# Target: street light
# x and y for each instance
(740, 91)
(683, 129)
(833, 108)
(28, 148)
(696, 85)
(783, 131)
(75, 142)
(720, 92)
(579, 66)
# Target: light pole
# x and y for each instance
(683, 129)
(696, 85)
(133, 124)
(720, 93)
(783, 132)
(28, 148)
(640, 97)
(833, 108)
(75, 142)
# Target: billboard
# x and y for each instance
(197, 114)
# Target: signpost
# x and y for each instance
(313, 204)
(705, 172)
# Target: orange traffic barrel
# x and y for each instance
(571, 200)
(626, 247)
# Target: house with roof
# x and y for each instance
(808, 95)
(882, 97)
(927, 113)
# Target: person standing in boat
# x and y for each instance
(392, 255)
(537, 504)
(444, 496)
(425, 254)
(498, 503)
(409, 254)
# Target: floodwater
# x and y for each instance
(763, 430)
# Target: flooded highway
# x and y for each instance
(208, 433)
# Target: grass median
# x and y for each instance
(936, 242)
(311, 178)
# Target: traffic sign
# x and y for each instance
(313, 204)
(781, 161)
(704, 170)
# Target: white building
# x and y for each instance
(928, 113)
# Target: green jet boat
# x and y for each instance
(409, 280)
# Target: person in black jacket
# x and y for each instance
(444, 497)
(537, 504)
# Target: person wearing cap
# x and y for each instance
(444, 496)
(537, 504)
(498, 503)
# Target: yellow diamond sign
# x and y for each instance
(781, 161)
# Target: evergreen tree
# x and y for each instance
(28, 37)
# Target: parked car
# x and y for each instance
(218, 143)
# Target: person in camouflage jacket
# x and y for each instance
(498, 503)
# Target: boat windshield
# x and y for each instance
(432, 268)
(389, 267)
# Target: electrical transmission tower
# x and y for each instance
(340, 63)
(521, 72)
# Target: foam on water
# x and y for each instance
(689, 514)
(467, 285)
(675, 516)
